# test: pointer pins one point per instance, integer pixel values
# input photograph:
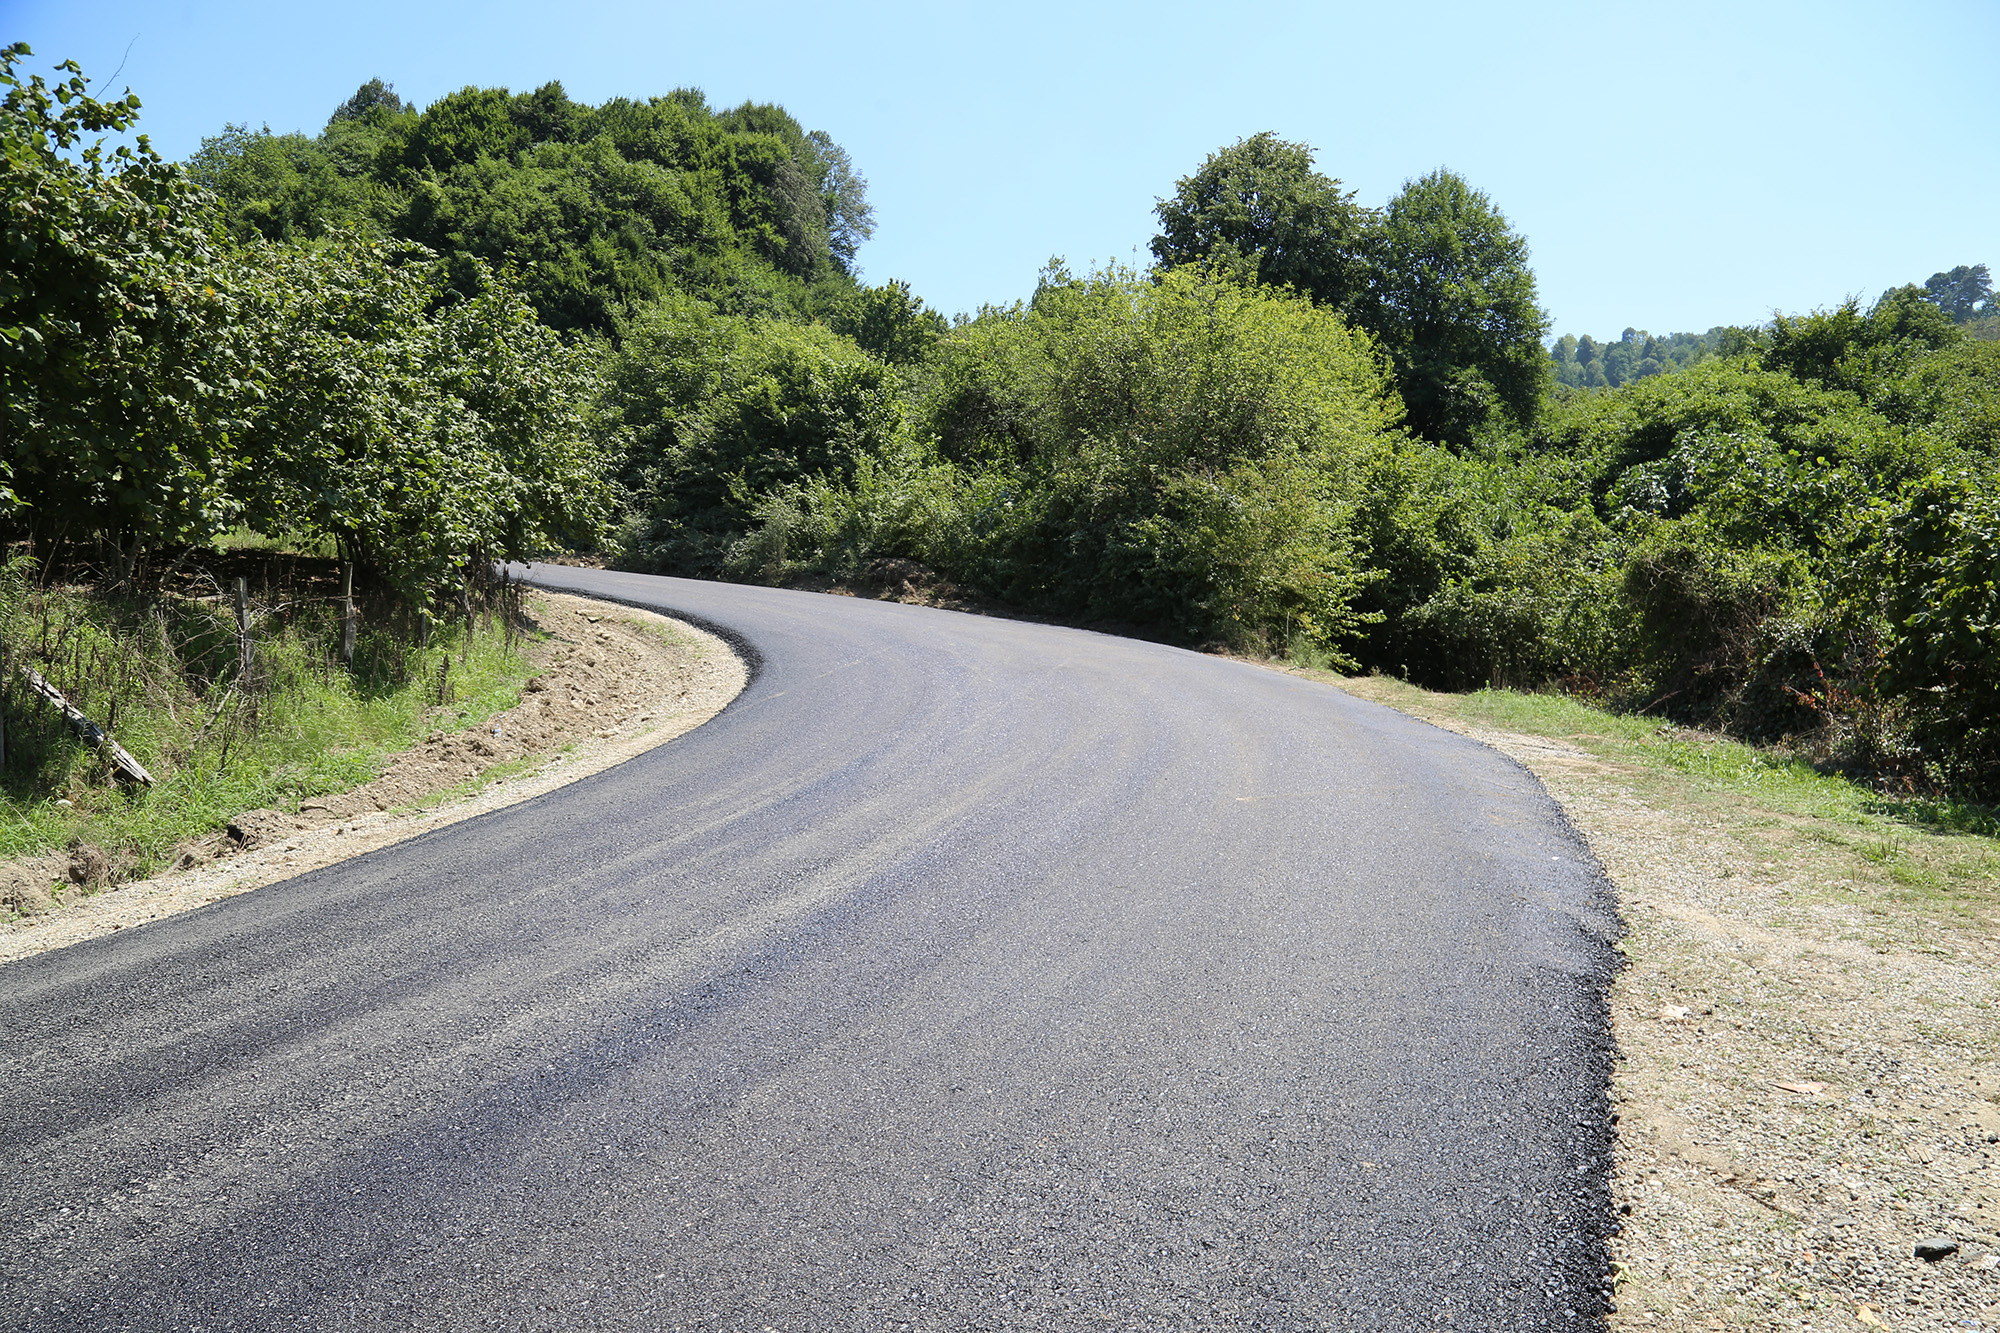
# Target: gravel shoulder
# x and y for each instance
(1808, 1069)
(611, 682)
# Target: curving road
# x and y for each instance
(962, 974)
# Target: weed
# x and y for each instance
(1884, 849)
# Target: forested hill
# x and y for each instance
(1965, 294)
(1585, 363)
(598, 208)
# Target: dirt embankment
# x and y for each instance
(610, 682)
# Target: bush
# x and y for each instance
(1698, 634)
(1184, 454)
(722, 414)
(904, 504)
(1941, 597)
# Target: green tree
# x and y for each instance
(118, 355)
(367, 98)
(890, 321)
(418, 432)
(1960, 291)
(1258, 210)
(1452, 300)
(850, 219)
(276, 186)
(462, 127)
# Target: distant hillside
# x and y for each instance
(1965, 293)
(1585, 363)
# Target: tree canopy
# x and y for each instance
(1961, 292)
(595, 208)
(1437, 277)
(164, 384)
(116, 354)
(1452, 298)
(1258, 209)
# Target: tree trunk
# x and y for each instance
(128, 560)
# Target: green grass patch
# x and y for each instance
(166, 679)
(249, 539)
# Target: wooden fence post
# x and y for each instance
(347, 626)
(242, 624)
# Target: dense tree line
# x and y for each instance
(1585, 363)
(165, 382)
(509, 322)
(1965, 294)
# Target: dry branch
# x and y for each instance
(96, 737)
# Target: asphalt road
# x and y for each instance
(962, 974)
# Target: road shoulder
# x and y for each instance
(1808, 1069)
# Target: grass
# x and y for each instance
(248, 539)
(1938, 856)
(164, 678)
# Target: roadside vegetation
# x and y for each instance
(1937, 857)
(421, 341)
(229, 715)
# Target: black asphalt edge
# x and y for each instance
(1587, 1267)
(739, 643)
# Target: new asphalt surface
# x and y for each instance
(962, 974)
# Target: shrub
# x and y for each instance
(721, 414)
(1941, 597)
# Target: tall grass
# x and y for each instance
(219, 734)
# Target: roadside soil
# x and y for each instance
(1808, 1070)
(610, 682)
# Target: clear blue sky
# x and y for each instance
(1672, 166)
